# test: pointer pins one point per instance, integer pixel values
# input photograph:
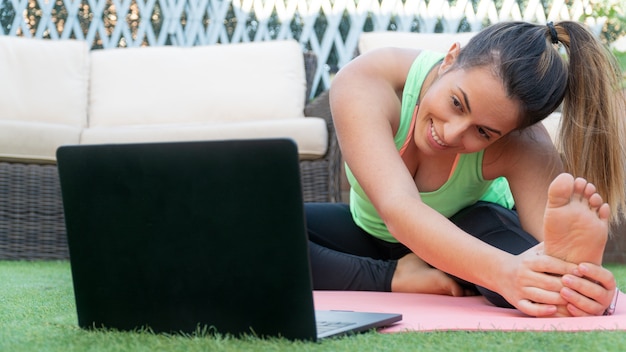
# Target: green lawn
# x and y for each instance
(37, 313)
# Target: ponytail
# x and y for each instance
(592, 131)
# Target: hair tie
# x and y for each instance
(553, 35)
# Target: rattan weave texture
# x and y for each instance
(32, 225)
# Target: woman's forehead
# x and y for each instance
(485, 95)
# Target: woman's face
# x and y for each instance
(464, 111)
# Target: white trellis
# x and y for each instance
(329, 28)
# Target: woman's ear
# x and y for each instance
(450, 58)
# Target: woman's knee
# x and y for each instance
(496, 226)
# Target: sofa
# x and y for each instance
(616, 247)
(59, 92)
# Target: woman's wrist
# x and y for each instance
(611, 309)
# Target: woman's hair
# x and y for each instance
(586, 81)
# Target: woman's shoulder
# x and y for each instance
(385, 61)
(529, 148)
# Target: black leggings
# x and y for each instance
(345, 257)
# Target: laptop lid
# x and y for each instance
(182, 236)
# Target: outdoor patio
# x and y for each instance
(38, 310)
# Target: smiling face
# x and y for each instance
(464, 111)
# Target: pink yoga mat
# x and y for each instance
(422, 312)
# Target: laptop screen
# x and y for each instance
(188, 235)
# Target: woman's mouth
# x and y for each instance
(436, 138)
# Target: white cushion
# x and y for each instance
(215, 83)
(425, 41)
(33, 141)
(44, 80)
(43, 96)
(310, 134)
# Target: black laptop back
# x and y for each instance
(182, 236)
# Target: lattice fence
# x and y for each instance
(330, 28)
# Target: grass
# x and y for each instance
(37, 313)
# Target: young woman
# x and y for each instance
(456, 187)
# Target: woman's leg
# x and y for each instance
(331, 225)
(499, 227)
(343, 256)
(334, 270)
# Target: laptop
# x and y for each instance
(185, 237)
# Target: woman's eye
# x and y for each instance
(483, 133)
(457, 103)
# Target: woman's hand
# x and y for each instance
(540, 283)
(589, 290)
(535, 282)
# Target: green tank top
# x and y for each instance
(465, 186)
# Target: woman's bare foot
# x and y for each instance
(414, 275)
(575, 223)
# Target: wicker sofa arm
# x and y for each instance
(32, 222)
(325, 172)
(321, 179)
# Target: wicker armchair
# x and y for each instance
(32, 224)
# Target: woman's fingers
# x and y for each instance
(590, 292)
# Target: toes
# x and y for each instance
(604, 212)
(565, 188)
(590, 190)
(595, 201)
(561, 190)
(580, 185)
(456, 291)
(446, 285)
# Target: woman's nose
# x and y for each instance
(454, 131)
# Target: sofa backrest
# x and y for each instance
(426, 41)
(43, 96)
(44, 81)
(203, 84)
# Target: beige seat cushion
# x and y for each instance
(34, 141)
(310, 134)
(426, 41)
(43, 95)
(215, 83)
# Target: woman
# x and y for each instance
(451, 173)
